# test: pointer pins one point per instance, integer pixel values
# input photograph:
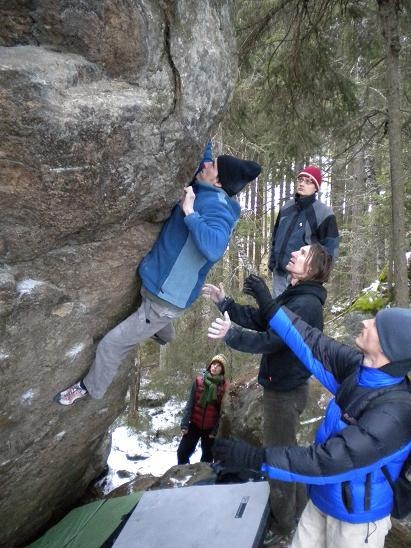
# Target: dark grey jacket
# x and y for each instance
(302, 221)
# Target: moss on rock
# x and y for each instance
(370, 301)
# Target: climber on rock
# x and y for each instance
(192, 240)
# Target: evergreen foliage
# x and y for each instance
(312, 88)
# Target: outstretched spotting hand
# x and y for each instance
(187, 202)
(214, 293)
(257, 288)
(219, 328)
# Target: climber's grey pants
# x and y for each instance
(149, 319)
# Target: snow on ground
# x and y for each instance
(154, 452)
(372, 287)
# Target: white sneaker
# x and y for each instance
(71, 394)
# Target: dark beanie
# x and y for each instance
(234, 174)
(394, 333)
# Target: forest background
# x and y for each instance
(324, 82)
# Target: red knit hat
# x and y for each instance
(313, 173)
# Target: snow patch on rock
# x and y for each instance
(180, 482)
(74, 351)
(27, 286)
(28, 397)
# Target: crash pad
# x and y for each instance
(199, 517)
(89, 525)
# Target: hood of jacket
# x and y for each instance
(303, 288)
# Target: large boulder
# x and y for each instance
(106, 105)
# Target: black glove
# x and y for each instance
(257, 288)
(238, 454)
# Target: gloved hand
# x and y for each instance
(236, 453)
(257, 288)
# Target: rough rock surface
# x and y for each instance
(183, 475)
(242, 413)
(106, 105)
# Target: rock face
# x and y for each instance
(183, 475)
(106, 105)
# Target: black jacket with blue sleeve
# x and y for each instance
(280, 369)
(361, 432)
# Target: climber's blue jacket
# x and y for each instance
(362, 430)
(188, 246)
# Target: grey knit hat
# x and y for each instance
(394, 332)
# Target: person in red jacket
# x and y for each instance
(202, 411)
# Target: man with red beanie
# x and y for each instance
(303, 220)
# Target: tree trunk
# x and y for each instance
(389, 10)
(253, 204)
(248, 243)
(338, 191)
(338, 203)
(357, 197)
(274, 182)
(259, 233)
(162, 356)
(377, 232)
(287, 190)
(233, 273)
(135, 387)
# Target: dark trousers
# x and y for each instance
(282, 412)
(188, 445)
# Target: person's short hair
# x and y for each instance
(320, 263)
